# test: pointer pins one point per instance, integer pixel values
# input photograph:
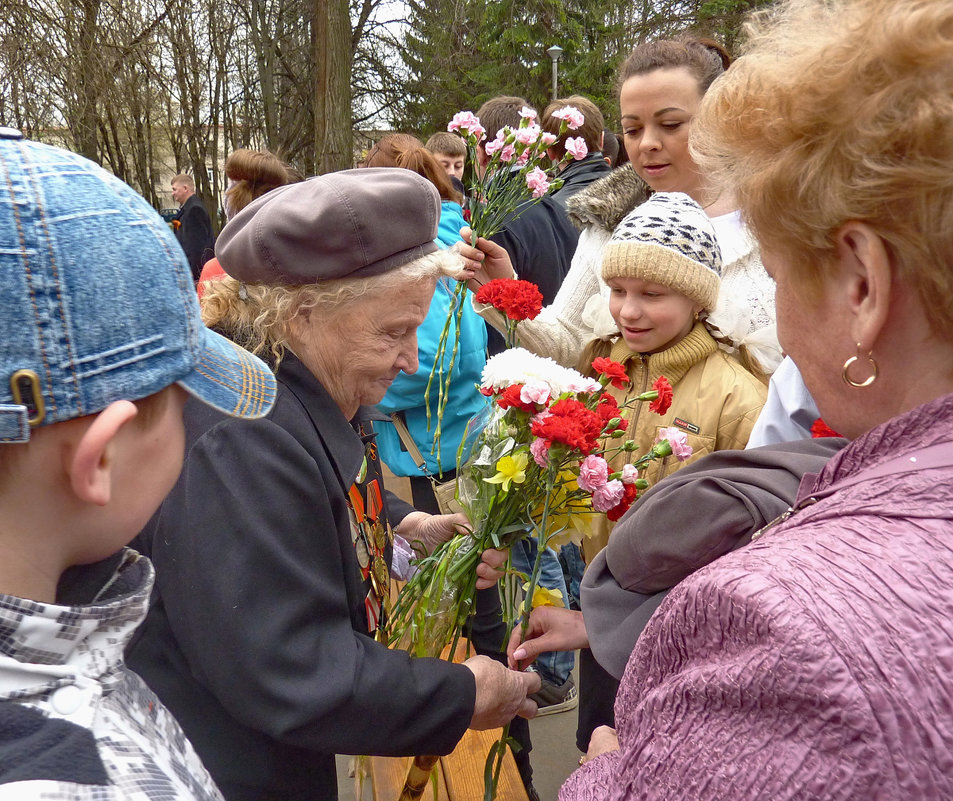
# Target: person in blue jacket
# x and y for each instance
(406, 397)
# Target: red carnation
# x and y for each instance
(570, 423)
(661, 404)
(518, 300)
(631, 493)
(821, 429)
(608, 409)
(612, 370)
(510, 398)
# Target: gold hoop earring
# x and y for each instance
(850, 362)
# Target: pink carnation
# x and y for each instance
(507, 153)
(629, 474)
(527, 113)
(538, 419)
(608, 495)
(540, 450)
(527, 135)
(547, 139)
(678, 439)
(469, 122)
(492, 147)
(535, 393)
(537, 182)
(573, 116)
(577, 147)
(587, 385)
(593, 473)
(524, 157)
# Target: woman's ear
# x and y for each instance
(868, 279)
(91, 462)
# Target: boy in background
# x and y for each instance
(450, 152)
(102, 341)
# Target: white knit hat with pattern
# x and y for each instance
(668, 240)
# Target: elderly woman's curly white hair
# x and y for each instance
(258, 316)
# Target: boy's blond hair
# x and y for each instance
(447, 144)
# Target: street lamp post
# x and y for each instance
(555, 53)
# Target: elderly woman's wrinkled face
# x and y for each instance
(357, 352)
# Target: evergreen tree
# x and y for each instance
(459, 53)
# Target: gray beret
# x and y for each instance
(357, 223)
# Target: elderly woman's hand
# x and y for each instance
(604, 739)
(425, 531)
(484, 262)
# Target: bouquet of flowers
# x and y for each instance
(539, 467)
(518, 174)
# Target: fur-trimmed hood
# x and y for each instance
(609, 199)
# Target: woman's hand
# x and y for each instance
(604, 739)
(490, 569)
(425, 531)
(551, 628)
(500, 693)
(484, 262)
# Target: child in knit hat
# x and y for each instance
(662, 265)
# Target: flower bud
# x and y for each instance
(662, 448)
(641, 484)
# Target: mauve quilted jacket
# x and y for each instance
(816, 663)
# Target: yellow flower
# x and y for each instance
(545, 597)
(510, 469)
(569, 518)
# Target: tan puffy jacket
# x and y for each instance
(716, 402)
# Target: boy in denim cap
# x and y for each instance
(102, 339)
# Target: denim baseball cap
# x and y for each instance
(98, 301)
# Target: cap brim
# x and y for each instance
(230, 379)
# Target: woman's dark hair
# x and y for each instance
(404, 150)
(703, 58)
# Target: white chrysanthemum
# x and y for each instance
(519, 366)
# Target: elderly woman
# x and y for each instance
(817, 662)
(273, 550)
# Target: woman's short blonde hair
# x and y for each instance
(838, 112)
(259, 316)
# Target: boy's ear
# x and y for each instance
(91, 462)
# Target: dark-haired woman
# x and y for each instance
(661, 84)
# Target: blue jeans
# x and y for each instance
(573, 568)
(554, 666)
